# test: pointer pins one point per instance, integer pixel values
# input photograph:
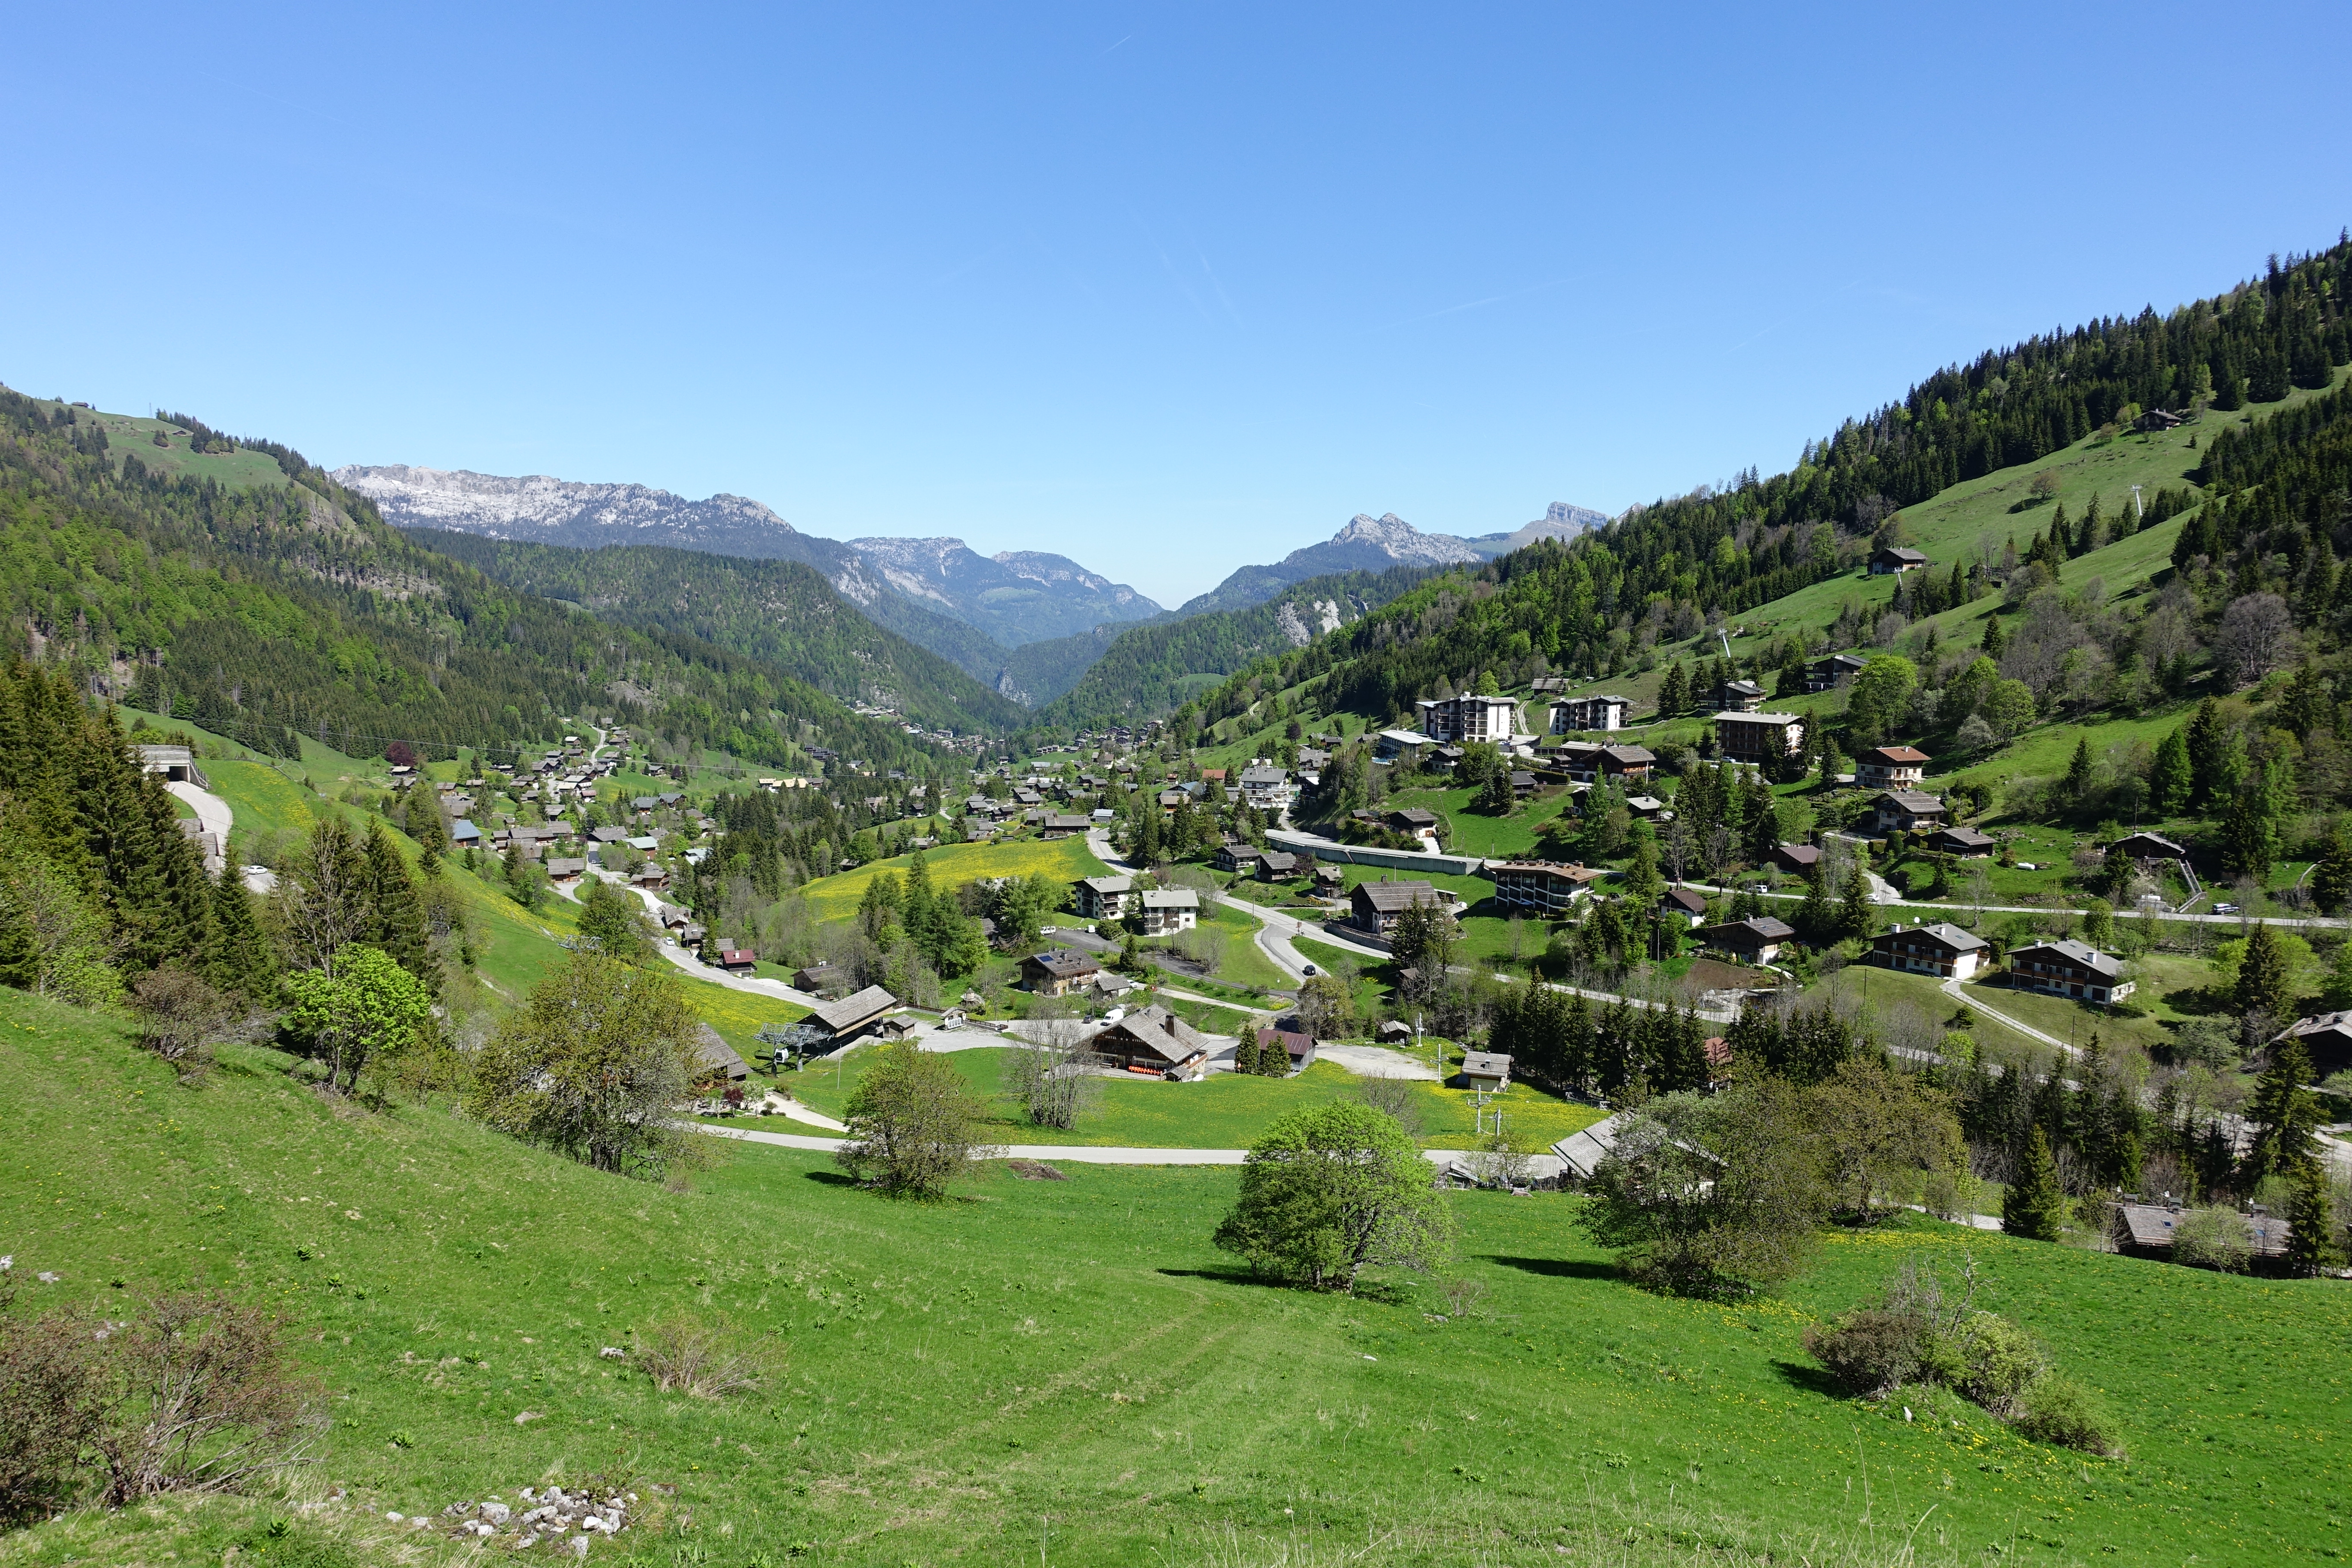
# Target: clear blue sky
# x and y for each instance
(1165, 288)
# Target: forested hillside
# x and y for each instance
(781, 611)
(1150, 670)
(285, 603)
(1590, 607)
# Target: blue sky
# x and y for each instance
(1164, 289)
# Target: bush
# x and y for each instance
(180, 1016)
(683, 1354)
(196, 1394)
(1999, 1362)
(1916, 1336)
(2059, 1411)
(1872, 1351)
(2212, 1238)
(51, 1405)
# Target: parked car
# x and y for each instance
(1309, 969)
(2225, 909)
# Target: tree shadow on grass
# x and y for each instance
(1559, 1267)
(1812, 1379)
(832, 1178)
(1228, 1277)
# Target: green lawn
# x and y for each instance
(1474, 833)
(1071, 1361)
(1244, 964)
(1064, 859)
(1225, 1111)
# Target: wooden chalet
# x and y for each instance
(1153, 1039)
(1057, 970)
(852, 1015)
(1942, 949)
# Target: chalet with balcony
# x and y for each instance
(1943, 949)
(2071, 969)
(1890, 767)
(1758, 737)
(1907, 811)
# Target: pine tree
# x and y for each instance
(2263, 981)
(1817, 916)
(2304, 705)
(1855, 916)
(2208, 749)
(2170, 780)
(396, 910)
(1992, 641)
(237, 956)
(1674, 692)
(2285, 1114)
(2034, 1207)
(2249, 841)
(2331, 880)
(2311, 1245)
(2079, 771)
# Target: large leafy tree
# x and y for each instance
(1879, 704)
(591, 1064)
(1332, 1190)
(1713, 1196)
(367, 1010)
(913, 1123)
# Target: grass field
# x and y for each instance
(1224, 1110)
(1071, 1363)
(1064, 859)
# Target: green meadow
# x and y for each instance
(1069, 1370)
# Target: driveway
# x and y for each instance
(1378, 1061)
(1976, 1003)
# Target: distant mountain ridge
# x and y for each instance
(1016, 597)
(1368, 543)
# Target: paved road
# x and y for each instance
(211, 809)
(1541, 1165)
(1947, 911)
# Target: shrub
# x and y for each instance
(1999, 1362)
(684, 1355)
(2211, 1238)
(207, 1400)
(196, 1395)
(2059, 1411)
(180, 1016)
(1872, 1352)
(51, 1405)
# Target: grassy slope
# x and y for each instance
(1226, 1110)
(1081, 1355)
(1064, 859)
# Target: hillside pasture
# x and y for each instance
(1071, 1361)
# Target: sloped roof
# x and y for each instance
(1895, 756)
(850, 1011)
(1944, 934)
(1773, 719)
(1916, 802)
(1064, 964)
(2074, 952)
(1388, 896)
(1155, 1031)
(1582, 1152)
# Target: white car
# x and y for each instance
(2225, 909)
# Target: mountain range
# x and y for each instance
(1012, 598)
(1027, 623)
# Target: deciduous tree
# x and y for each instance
(1332, 1190)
